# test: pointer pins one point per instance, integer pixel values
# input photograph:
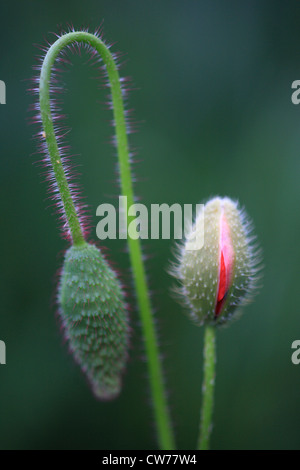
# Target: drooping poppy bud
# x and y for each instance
(221, 276)
(95, 318)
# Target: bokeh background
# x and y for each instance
(212, 98)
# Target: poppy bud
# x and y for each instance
(219, 277)
(95, 319)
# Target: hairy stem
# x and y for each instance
(165, 435)
(208, 387)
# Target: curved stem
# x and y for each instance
(164, 429)
(208, 387)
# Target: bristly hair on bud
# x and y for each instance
(95, 319)
(221, 277)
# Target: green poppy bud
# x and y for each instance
(95, 318)
(221, 276)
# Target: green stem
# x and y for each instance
(165, 435)
(208, 387)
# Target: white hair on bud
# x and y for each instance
(226, 267)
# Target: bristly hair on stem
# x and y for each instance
(67, 198)
(56, 90)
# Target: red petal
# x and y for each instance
(226, 265)
(222, 280)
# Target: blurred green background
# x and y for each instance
(212, 96)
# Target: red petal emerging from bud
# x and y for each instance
(226, 260)
(220, 277)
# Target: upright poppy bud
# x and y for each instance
(219, 277)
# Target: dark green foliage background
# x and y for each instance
(213, 95)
